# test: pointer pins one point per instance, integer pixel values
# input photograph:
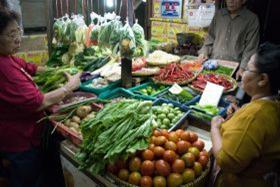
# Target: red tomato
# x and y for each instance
(146, 181)
(147, 168)
(198, 144)
(134, 164)
(148, 155)
(169, 156)
(178, 166)
(183, 146)
(185, 136)
(160, 140)
(179, 132)
(162, 168)
(193, 137)
(170, 146)
(173, 137)
(203, 160)
(158, 151)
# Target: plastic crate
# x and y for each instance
(181, 121)
(67, 100)
(136, 89)
(121, 92)
(86, 86)
(194, 100)
(66, 132)
(222, 105)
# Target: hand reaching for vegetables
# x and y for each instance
(73, 81)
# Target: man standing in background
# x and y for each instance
(233, 35)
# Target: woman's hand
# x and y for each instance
(231, 110)
(73, 81)
(216, 122)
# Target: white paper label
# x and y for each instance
(175, 89)
(211, 94)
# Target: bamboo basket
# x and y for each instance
(201, 181)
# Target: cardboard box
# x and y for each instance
(175, 28)
(159, 30)
(37, 57)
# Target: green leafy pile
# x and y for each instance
(90, 56)
(183, 97)
(53, 78)
(117, 131)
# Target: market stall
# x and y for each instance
(138, 102)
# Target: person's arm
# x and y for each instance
(251, 45)
(57, 95)
(216, 134)
(242, 143)
(207, 47)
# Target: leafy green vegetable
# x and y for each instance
(96, 63)
(56, 56)
(208, 109)
(183, 97)
(118, 130)
(221, 70)
(53, 78)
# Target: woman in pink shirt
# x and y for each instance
(21, 106)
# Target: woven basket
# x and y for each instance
(233, 81)
(180, 83)
(198, 182)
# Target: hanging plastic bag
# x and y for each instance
(127, 43)
(201, 15)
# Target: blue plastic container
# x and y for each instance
(223, 106)
(182, 108)
(194, 100)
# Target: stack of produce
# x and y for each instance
(152, 90)
(166, 115)
(182, 97)
(82, 113)
(140, 68)
(174, 73)
(117, 131)
(172, 159)
(161, 58)
(227, 82)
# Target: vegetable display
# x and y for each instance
(166, 115)
(208, 109)
(220, 70)
(53, 78)
(82, 113)
(172, 159)
(183, 97)
(174, 73)
(117, 131)
(151, 90)
(228, 83)
(160, 58)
